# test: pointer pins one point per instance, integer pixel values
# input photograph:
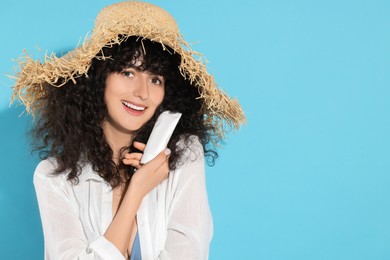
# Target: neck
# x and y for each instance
(116, 139)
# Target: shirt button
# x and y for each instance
(142, 223)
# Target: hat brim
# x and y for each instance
(220, 111)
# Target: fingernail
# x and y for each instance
(167, 151)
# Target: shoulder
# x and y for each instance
(189, 175)
(191, 149)
(44, 173)
(46, 167)
(191, 164)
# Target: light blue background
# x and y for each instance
(306, 178)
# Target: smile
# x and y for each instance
(132, 106)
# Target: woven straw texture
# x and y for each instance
(129, 19)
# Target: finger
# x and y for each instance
(132, 162)
(138, 145)
(134, 156)
(132, 159)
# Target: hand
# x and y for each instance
(133, 159)
(148, 175)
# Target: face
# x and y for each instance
(132, 97)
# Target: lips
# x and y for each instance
(133, 106)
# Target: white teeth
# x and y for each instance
(132, 106)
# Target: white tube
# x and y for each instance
(161, 133)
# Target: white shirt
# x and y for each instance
(174, 219)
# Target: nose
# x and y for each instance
(142, 91)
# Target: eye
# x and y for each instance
(158, 80)
(128, 73)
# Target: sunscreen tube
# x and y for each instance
(161, 133)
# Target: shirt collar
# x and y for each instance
(87, 173)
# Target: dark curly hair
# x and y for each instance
(69, 129)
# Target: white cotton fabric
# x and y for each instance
(174, 219)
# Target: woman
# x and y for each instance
(96, 201)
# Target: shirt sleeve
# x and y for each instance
(62, 229)
(190, 224)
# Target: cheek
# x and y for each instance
(159, 96)
(107, 98)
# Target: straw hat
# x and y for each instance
(129, 19)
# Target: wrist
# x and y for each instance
(133, 196)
